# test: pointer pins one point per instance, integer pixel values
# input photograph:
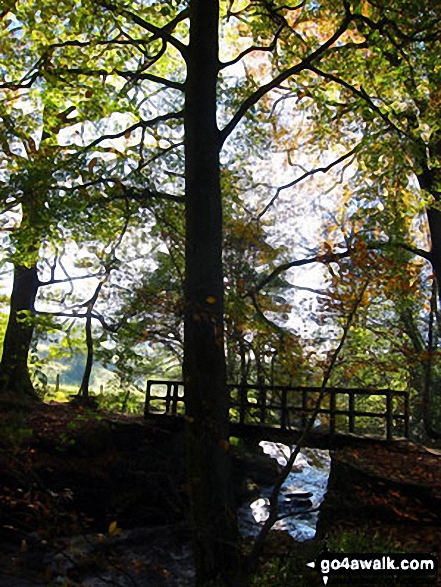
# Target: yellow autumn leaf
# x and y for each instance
(92, 163)
(113, 529)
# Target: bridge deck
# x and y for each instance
(317, 438)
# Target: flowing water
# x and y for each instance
(301, 494)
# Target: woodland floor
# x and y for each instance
(50, 453)
(399, 489)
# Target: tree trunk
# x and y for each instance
(214, 527)
(429, 180)
(84, 388)
(14, 371)
(434, 218)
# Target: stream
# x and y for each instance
(302, 492)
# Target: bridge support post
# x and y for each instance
(406, 416)
(284, 420)
(148, 395)
(175, 398)
(168, 397)
(351, 398)
(332, 406)
(389, 416)
(262, 401)
(243, 403)
(304, 407)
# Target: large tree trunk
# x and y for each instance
(14, 371)
(429, 179)
(212, 515)
(434, 218)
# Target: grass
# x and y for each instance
(284, 561)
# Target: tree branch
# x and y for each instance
(68, 279)
(274, 509)
(331, 258)
(406, 246)
(284, 75)
(327, 258)
(309, 174)
(360, 93)
(416, 251)
(141, 124)
(127, 191)
(153, 78)
(129, 75)
(253, 48)
(158, 32)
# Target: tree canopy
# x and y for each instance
(195, 155)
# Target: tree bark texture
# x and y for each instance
(85, 382)
(212, 515)
(14, 373)
(434, 218)
(429, 179)
(14, 365)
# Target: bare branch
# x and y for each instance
(25, 82)
(68, 279)
(9, 206)
(153, 158)
(319, 292)
(95, 43)
(136, 194)
(146, 194)
(310, 173)
(284, 75)
(254, 48)
(141, 124)
(274, 510)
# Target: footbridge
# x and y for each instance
(281, 413)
